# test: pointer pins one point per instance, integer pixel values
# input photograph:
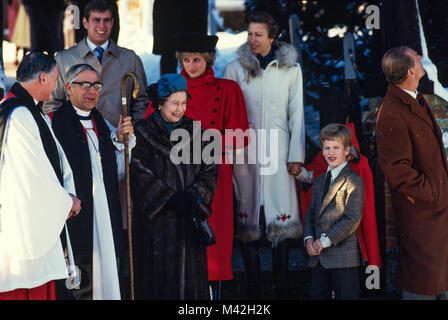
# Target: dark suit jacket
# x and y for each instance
(338, 216)
(413, 159)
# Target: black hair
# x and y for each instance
(34, 64)
(153, 96)
(97, 5)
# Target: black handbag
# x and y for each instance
(205, 235)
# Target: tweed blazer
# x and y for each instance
(116, 62)
(338, 216)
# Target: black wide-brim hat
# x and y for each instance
(195, 42)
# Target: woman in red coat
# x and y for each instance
(218, 104)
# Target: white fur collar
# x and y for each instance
(285, 55)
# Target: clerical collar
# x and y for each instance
(92, 46)
(411, 93)
(82, 114)
(39, 105)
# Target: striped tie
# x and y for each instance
(422, 101)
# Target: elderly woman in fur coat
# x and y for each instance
(170, 263)
(271, 80)
(218, 104)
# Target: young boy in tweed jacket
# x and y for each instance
(332, 219)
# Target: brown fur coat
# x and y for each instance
(168, 265)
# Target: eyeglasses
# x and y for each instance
(87, 85)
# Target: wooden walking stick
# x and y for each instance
(128, 181)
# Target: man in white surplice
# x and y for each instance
(95, 151)
(36, 187)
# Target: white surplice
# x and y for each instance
(34, 206)
(104, 266)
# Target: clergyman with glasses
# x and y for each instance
(95, 151)
(112, 62)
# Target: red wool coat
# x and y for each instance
(218, 104)
(367, 230)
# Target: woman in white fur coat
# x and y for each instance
(271, 81)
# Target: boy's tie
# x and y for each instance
(326, 185)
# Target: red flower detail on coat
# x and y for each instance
(243, 215)
(283, 217)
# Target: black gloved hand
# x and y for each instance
(181, 202)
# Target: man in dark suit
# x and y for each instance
(332, 218)
(413, 159)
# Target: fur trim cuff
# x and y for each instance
(277, 232)
(248, 233)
